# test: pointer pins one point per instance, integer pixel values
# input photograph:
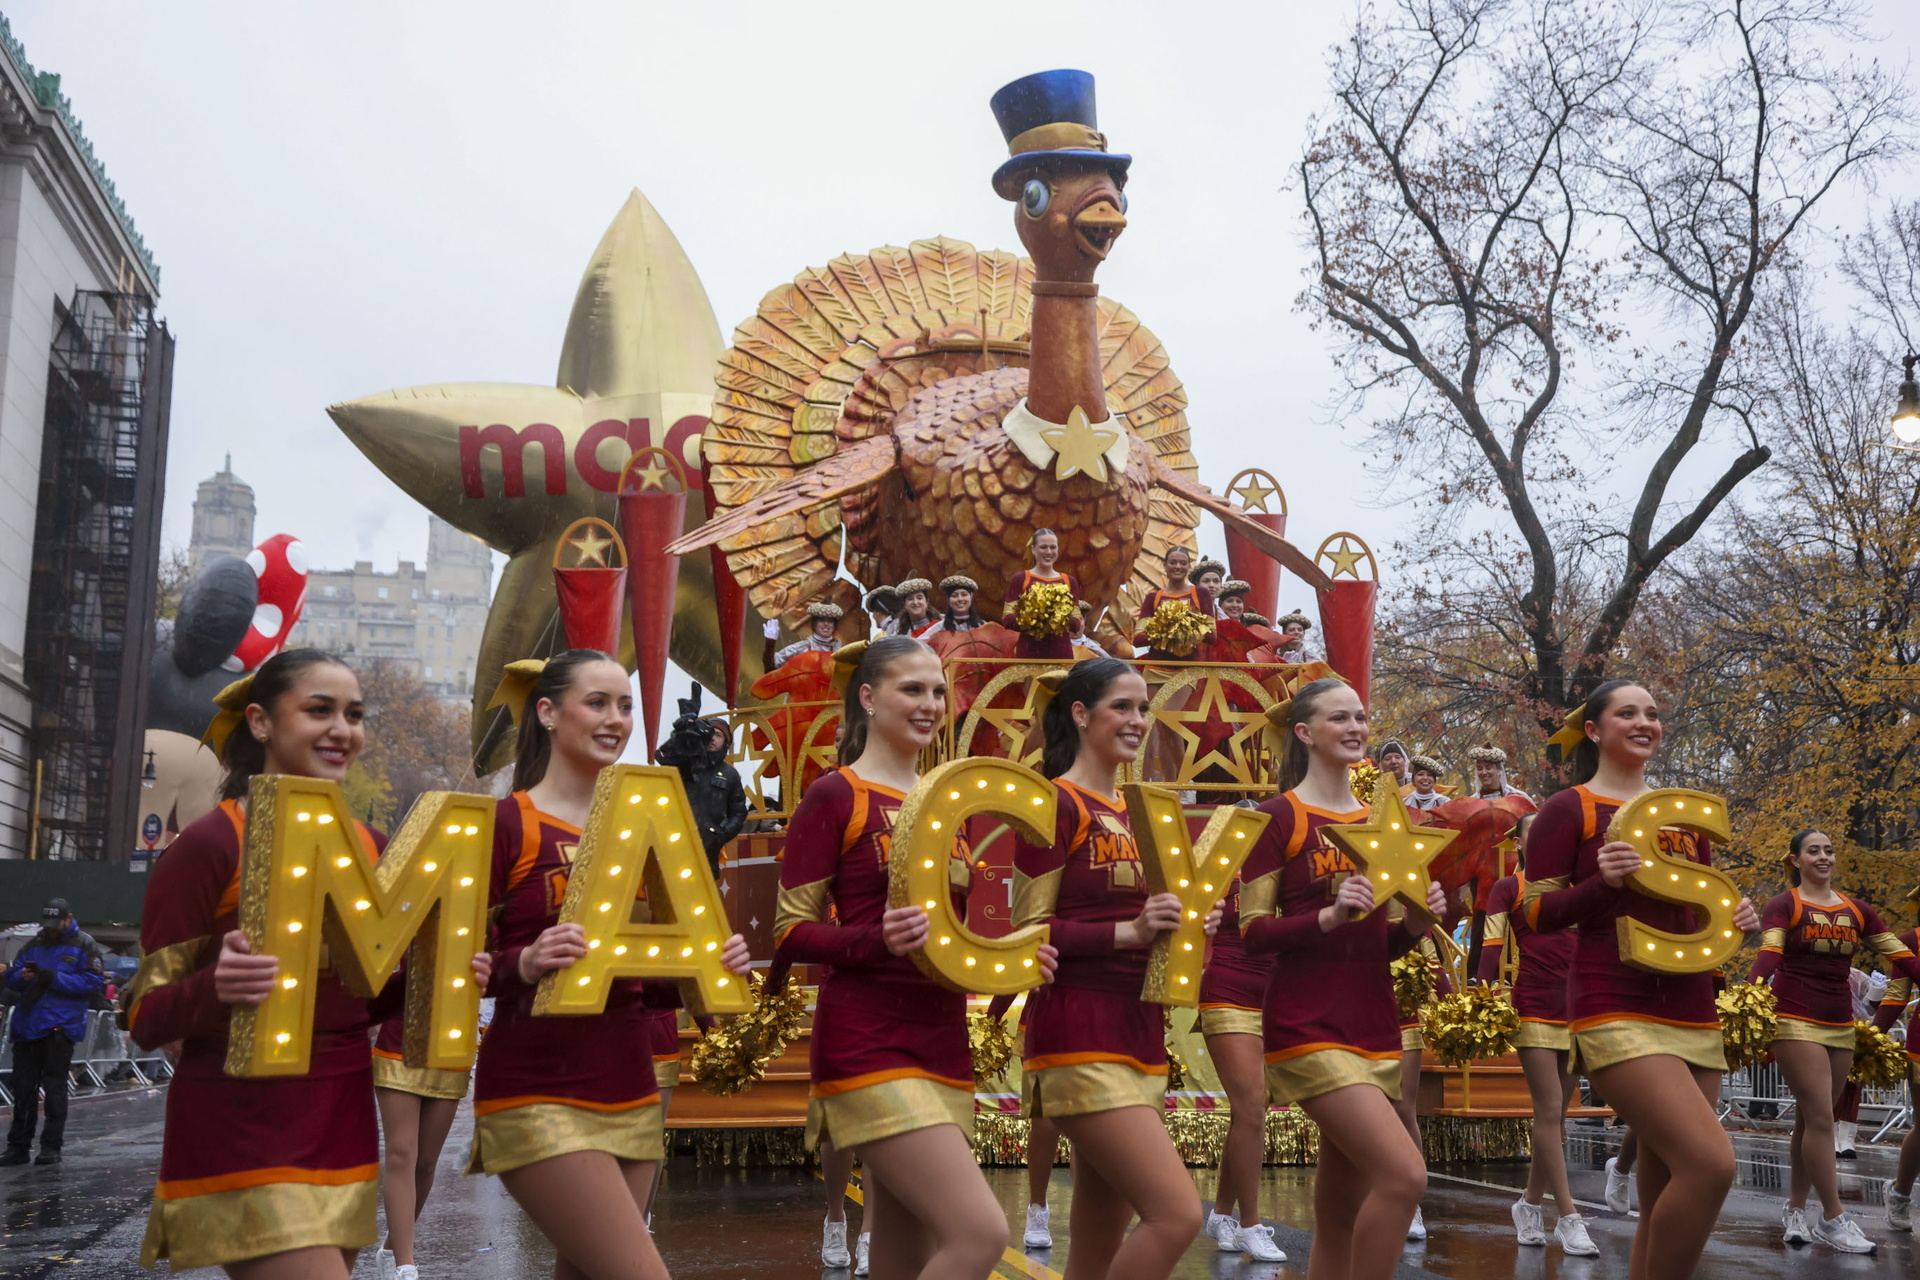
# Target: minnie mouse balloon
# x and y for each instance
(280, 568)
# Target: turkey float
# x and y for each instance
(926, 408)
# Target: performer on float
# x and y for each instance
(916, 616)
(1426, 773)
(1332, 1030)
(1650, 1042)
(1810, 936)
(822, 617)
(891, 1068)
(1232, 599)
(1490, 774)
(1195, 597)
(1084, 645)
(960, 614)
(1233, 990)
(417, 1108)
(1538, 964)
(1293, 629)
(269, 1176)
(882, 605)
(561, 1114)
(1045, 546)
(1208, 574)
(1892, 1003)
(1095, 1059)
(1392, 761)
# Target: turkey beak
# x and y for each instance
(1097, 226)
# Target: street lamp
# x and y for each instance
(1906, 416)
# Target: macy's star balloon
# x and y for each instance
(514, 465)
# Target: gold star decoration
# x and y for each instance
(651, 476)
(1234, 731)
(1079, 446)
(1346, 557)
(1252, 488)
(1393, 853)
(591, 548)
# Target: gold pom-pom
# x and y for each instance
(1412, 983)
(1879, 1061)
(733, 1057)
(1043, 609)
(1361, 780)
(992, 1046)
(1176, 1065)
(1478, 1022)
(1176, 628)
(1746, 1022)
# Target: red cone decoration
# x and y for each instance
(730, 603)
(1346, 611)
(591, 588)
(1253, 491)
(653, 503)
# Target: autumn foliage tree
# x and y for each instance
(415, 743)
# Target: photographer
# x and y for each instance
(53, 981)
(698, 749)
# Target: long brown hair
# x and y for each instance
(875, 661)
(1586, 755)
(245, 755)
(1086, 683)
(1294, 756)
(533, 748)
(1793, 852)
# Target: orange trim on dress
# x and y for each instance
(1815, 1022)
(1318, 1046)
(831, 1088)
(1046, 1061)
(492, 1105)
(187, 1188)
(230, 896)
(530, 820)
(1597, 1019)
(389, 1055)
(1224, 1005)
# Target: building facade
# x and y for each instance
(85, 382)
(222, 519)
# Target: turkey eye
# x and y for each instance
(1123, 202)
(1035, 197)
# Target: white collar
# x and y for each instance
(1023, 427)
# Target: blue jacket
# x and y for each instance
(60, 1005)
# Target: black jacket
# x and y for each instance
(713, 787)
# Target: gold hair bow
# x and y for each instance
(1573, 734)
(845, 659)
(516, 682)
(1041, 692)
(233, 702)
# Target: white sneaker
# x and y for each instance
(1571, 1232)
(1417, 1229)
(1037, 1235)
(1844, 1132)
(383, 1262)
(1527, 1227)
(1257, 1243)
(860, 1254)
(833, 1244)
(1619, 1188)
(1899, 1210)
(1793, 1223)
(1224, 1227)
(1843, 1234)
(406, 1271)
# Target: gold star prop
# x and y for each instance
(1394, 854)
(514, 465)
(1209, 712)
(590, 547)
(653, 476)
(1079, 446)
(1253, 490)
(1346, 560)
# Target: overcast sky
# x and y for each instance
(348, 197)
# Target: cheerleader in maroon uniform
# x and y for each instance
(1809, 937)
(1095, 1055)
(1899, 992)
(1413, 1047)
(1233, 988)
(567, 1110)
(1537, 965)
(892, 1072)
(1046, 550)
(1330, 1023)
(1650, 1042)
(271, 1176)
(417, 1106)
(1194, 596)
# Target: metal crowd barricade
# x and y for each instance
(6, 1059)
(103, 1049)
(1750, 1088)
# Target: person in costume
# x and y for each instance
(1426, 774)
(1293, 629)
(892, 1073)
(822, 617)
(1810, 937)
(1194, 596)
(1208, 574)
(1095, 1057)
(960, 614)
(1393, 762)
(266, 1176)
(1893, 1002)
(1231, 597)
(916, 616)
(1331, 1031)
(1536, 965)
(882, 605)
(1490, 774)
(561, 1114)
(1650, 1042)
(1084, 645)
(1045, 546)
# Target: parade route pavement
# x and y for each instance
(84, 1219)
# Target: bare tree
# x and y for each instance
(1541, 231)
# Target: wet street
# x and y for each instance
(84, 1219)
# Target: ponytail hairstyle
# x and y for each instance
(1793, 853)
(875, 661)
(1586, 753)
(1086, 683)
(533, 748)
(1520, 828)
(245, 755)
(1294, 755)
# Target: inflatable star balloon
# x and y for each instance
(514, 465)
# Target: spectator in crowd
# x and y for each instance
(53, 981)
(698, 749)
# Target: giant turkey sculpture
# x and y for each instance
(938, 404)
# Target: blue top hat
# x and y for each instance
(1050, 114)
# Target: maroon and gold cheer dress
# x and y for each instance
(1899, 993)
(889, 1045)
(390, 1069)
(1233, 987)
(1806, 950)
(1541, 968)
(1038, 648)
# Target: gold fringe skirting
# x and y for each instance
(1000, 1138)
(759, 1147)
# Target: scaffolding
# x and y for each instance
(89, 638)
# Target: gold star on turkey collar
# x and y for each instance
(1392, 852)
(1079, 447)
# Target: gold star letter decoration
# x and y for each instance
(1394, 854)
(1079, 446)
(1346, 557)
(1253, 487)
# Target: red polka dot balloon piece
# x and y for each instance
(280, 567)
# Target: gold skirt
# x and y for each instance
(224, 1227)
(422, 1082)
(515, 1137)
(887, 1109)
(1085, 1088)
(1608, 1043)
(1308, 1075)
(1535, 1034)
(1411, 1041)
(1913, 1070)
(666, 1073)
(1230, 1020)
(1789, 1027)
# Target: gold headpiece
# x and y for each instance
(958, 582)
(1280, 623)
(1233, 587)
(911, 585)
(516, 682)
(1252, 619)
(1207, 564)
(1486, 753)
(232, 702)
(1572, 734)
(1428, 764)
(825, 609)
